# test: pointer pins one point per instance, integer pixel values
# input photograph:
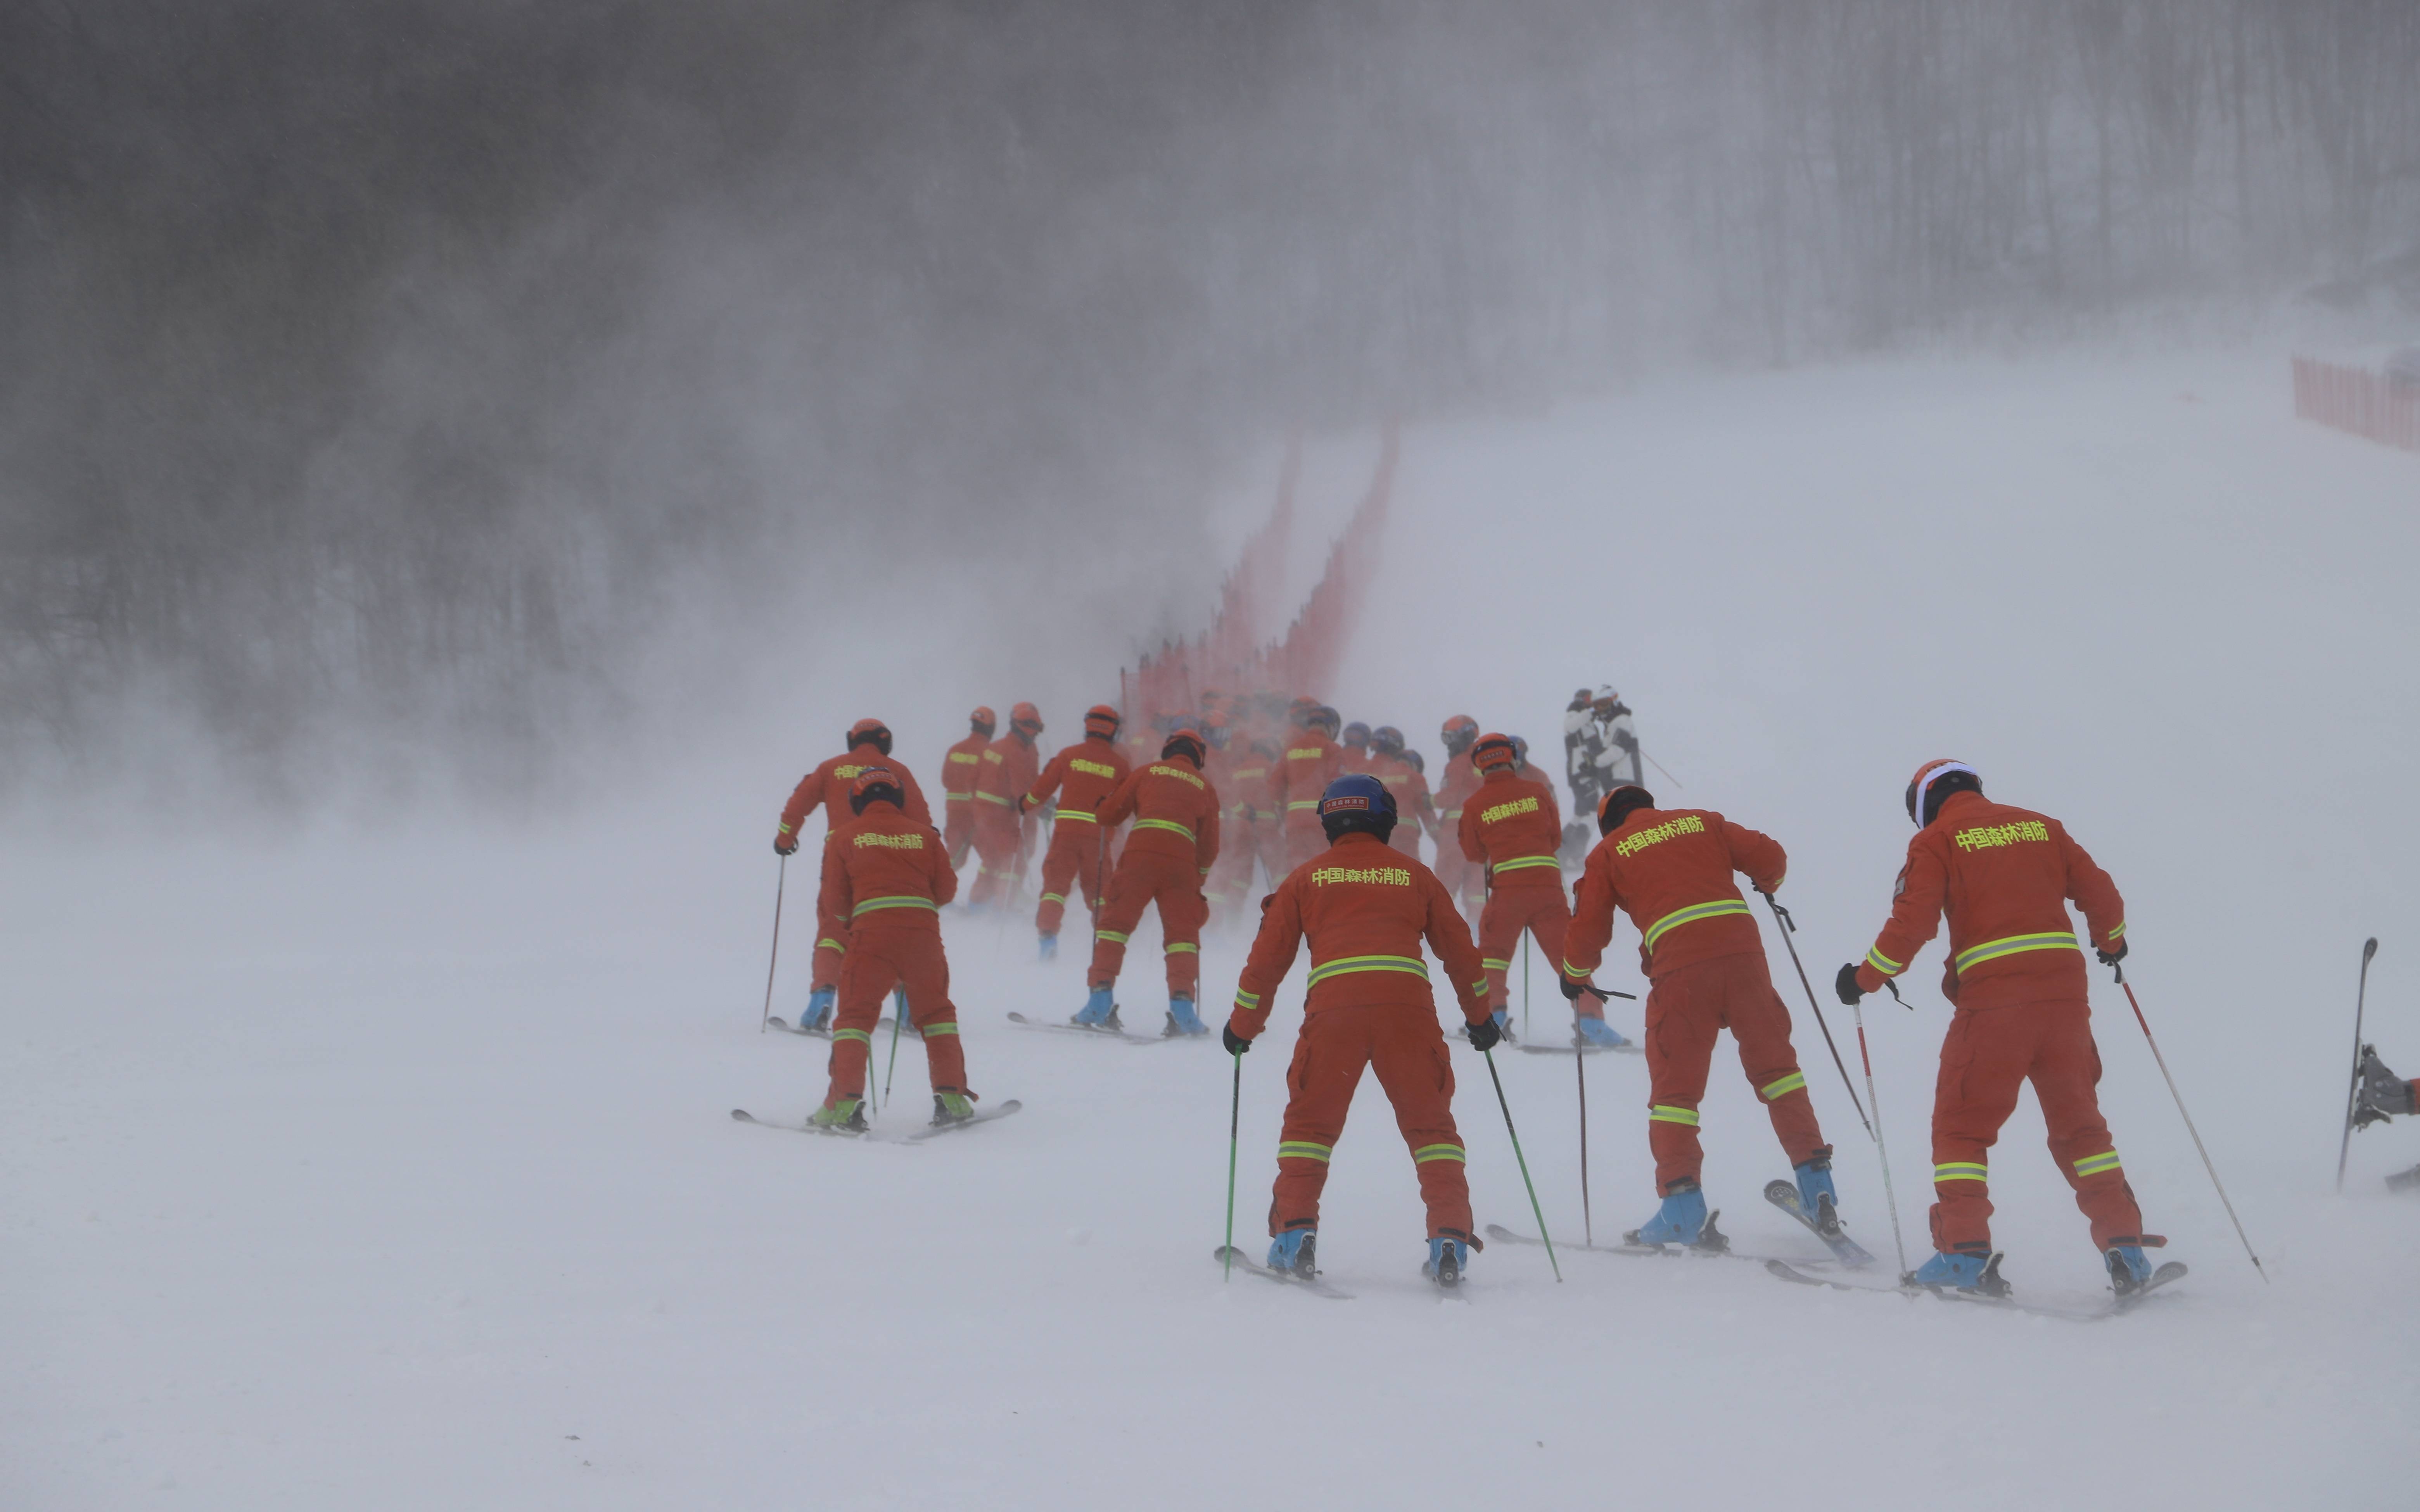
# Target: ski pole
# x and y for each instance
(1881, 1151)
(1234, 1123)
(898, 1017)
(1659, 766)
(1525, 986)
(1536, 1210)
(2352, 1096)
(781, 881)
(2121, 973)
(1588, 1219)
(1789, 926)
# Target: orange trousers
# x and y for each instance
(1174, 883)
(832, 945)
(882, 957)
(1074, 855)
(957, 829)
(999, 845)
(1540, 910)
(1685, 1011)
(1235, 884)
(1402, 1042)
(1988, 1054)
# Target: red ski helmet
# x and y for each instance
(1102, 720)
(1932, 784)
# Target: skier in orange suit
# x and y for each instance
(959, 771)
(1166, 860)
(1005, 774)
(827, 788)
(1082, 776)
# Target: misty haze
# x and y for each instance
(1122, 498)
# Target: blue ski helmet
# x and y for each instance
(1356, 804)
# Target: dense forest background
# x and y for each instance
(400, 370)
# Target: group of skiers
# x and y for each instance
(1327, 809)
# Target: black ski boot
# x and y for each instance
(2404, 1180)
(1449, 1256)
(2382, 1094)
(1991, 1283)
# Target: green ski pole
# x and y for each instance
(1234, 1126)
(1539, 1212)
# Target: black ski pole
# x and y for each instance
(2352, 1096)
(1789, 926)
(899, 1018)
(1537, 1211)
(2120, 972)
(781, 881)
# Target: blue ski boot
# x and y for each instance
(1295, 1252)
(2130, 1269)
(1183, 1020)
(1051, 948)
(819, 1009)
(1596, 1031)
(1447, 1258)
(1817, 1198)
(1682, 1220)
(1100, 1010)
(1962, 1270)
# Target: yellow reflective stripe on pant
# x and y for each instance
(1961, 1170)
(874, 905)
(1884, 964)
(1491, 963)
(1345, 965)
(1304, 1150)
(1181, 948)
(1169, 824)
(1690, 915)
(832, 945)
(1109, 934)
(1795, 1082)
(860, 1036)
(2015, 945)
(1658, 1113)
(1429, 1152)
(1054, 897)
(935, 1031)
(2094, 1164)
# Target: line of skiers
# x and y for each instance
(1364, 904)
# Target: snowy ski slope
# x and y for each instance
(394, 1171)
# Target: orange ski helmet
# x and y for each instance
(983, 720)
(873, 730)
(1492, 751)
(1458, 733)
(1932, 784)
(1102, 720)
(1027, 717)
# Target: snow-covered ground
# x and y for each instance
(391, 1169)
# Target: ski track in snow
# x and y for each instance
(399, 1175)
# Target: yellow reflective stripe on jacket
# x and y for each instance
(2118, 933)
(1247, 1001)
(1690, 915)
(1795, 1082)
(991, 797)
(1884, 964)
(1164, 823)
(1429, 1152)
(876, 905)
(2015, 945)
(1079, 815)
(1519, 862)
(956, 797)
(1305, 1149)
(1961, 1170)
(2094, 1164)
(832, 945)
(1344, 966)
(1303, 803)
(1658, 1113)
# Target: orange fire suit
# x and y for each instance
(1670, 870)
(1083, 776)
(1240, 773)
(959, 771)
(827, 787)
(1004, 774)
(1365, 909)
(889, 875)
(1173, 846)
(1460, 876)
(1305, 764)
(1510, 828)
(2004, 876)
(1414, 813)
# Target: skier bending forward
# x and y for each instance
(1365, 907)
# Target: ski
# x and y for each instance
(987, 1116)
(1784, 1194)
(1583, 1050)
(789, 1027)
(1244, 1262)
(744, 1116)
(1497, 1231)
(2172, 1270)
(1103, 1033)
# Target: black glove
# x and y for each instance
(1485, 1035)
(786, 844)
(1572, 990)
(2111, 953)
(1236, 1044)
(1846, 985)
